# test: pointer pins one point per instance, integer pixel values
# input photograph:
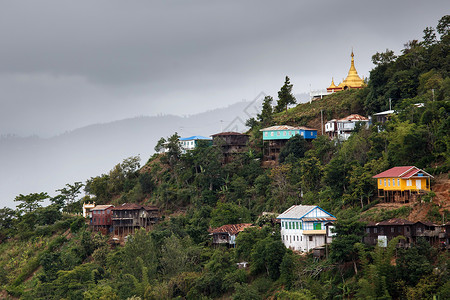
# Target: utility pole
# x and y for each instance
(321, 121)
(390, 108)
(432, 91)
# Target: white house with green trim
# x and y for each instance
(304, 227)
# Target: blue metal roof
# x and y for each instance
(195, 137)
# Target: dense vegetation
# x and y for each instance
(49, 253)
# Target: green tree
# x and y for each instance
(160, 145)
(267, 255)
(296, 145)
(285, 96)
(349, 231)
(383, 58)
(70, 194)
(266, 115)
(229, 213)
(30, 202)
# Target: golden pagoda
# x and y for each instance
(353, 81)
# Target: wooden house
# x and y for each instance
(190, 143)
(230, 143)
(402, 184)
(383, 117)
(101, 218)
(382, 232)
(304, 227)
(226, 234)
(275, 137)
(429, 231)
(342, 129)
(129, 217)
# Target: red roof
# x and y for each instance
(231, 229)
(401, 172)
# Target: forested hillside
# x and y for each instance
(50, 253)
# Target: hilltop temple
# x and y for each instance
(353, 81)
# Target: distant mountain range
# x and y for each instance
(34, 164)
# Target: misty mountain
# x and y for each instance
(35, 164)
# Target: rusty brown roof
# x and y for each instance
(134, 206)
(231, 229)
(354, 117)
(395, 221)
(102, 207)
(228, 133)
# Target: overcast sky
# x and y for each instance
(67, 64)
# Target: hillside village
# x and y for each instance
(346, 196)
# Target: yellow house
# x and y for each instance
(399, 183)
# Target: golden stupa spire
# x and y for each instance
(353, 80)
(332, 85)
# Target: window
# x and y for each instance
(296, 225)
(375, 230)
(266, 133)
(317, 226)
(290, 225)
(409, 182)
(393, 182)
(278, 133)
(380, 182)
(385, 182)
(311, 238)
(282, 237)
(368, 230)
(297, 238)
(392, 229)
(389, 182)
(398, 181)
(407, 229)
(271, 134)
(301, 225)
(284, 133)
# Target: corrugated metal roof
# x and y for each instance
(402, 172)
(231, 229)
(296, 211)
(320, 219)
(395, 221)
(354, 117)
(286, 127)
(102, 207)
(134, 206)
(394, 172)
(387, 112)
(279, 127)
(305, 128)
(195, 137)
(228, 133)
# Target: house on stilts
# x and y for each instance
(403, 184)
